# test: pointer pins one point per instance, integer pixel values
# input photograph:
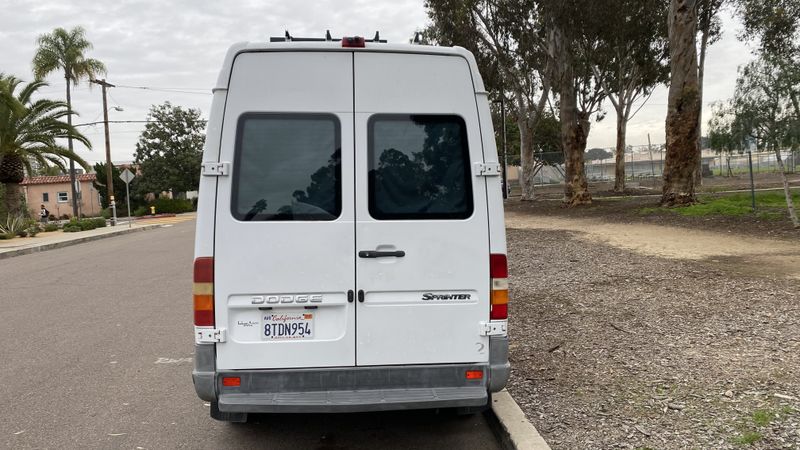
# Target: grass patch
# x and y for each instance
(748, 438)
(770, 205)
(762, 417)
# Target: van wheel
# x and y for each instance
(227, 416)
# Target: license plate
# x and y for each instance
(287, 326)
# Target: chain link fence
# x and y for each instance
(644, 166)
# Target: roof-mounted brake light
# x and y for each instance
(353, 42)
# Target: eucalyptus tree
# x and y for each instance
(29, 134)
(726, 132)
(710, 28)
(762, 105)
(774, 27)
(625, 43)
(683, 110)
(498, 34)
(535, 46)
(63, 50)
(773, 24)
(563, 25)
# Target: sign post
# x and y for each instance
(127, 177)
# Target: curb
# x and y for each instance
(516, 432)
(55, 245)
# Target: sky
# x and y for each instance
(175, 50)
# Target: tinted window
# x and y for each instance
(419, 167)
(287, 167)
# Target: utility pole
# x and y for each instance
(72, 178)
(109, 171)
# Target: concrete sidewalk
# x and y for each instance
(58, 239)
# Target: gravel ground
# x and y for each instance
(612, 349)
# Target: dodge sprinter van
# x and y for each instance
(350, 251)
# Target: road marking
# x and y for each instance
(163, 360)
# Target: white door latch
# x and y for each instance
(489, 169)
(494, 328)
(215, 169)
(209, 335)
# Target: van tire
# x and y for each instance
(227, 416)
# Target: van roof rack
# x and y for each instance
(289, 38)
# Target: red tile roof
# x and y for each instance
(57, 179)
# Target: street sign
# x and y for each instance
(126, 176)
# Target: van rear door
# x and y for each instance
(421, 216)
(284, 250)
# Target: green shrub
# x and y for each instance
(141, 211)
(51, 227)
(99, 222)
(22, 233)
(6, 236)
(13, 225)
(86, 224)
(170, 206)
(34, 229)
(71, 228)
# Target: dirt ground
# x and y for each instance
(628, 334)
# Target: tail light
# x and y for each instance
(474, 375)
(231, 381)
(498, 270)
(203, 290)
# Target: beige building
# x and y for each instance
(55, 194)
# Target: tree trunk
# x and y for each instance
(12, 198)
(528, 173)
(71, 161)
(786, 191)
(683, 152)
(619, 172)
(573, 137)
(698, 175)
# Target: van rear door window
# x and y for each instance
(287, 167)
(419, 167)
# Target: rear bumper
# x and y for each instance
(351, 389)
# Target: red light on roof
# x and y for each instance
(353, 42)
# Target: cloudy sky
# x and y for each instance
(175, 48)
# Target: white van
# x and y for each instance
(350, 247)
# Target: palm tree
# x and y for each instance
(63, 50)
(29, 134)
(6, 99)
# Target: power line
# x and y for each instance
(197, 91)
(125, 121)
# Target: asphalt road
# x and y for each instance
(96, 345)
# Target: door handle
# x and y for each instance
(350, 296)
(379, 254)
(360, 296)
